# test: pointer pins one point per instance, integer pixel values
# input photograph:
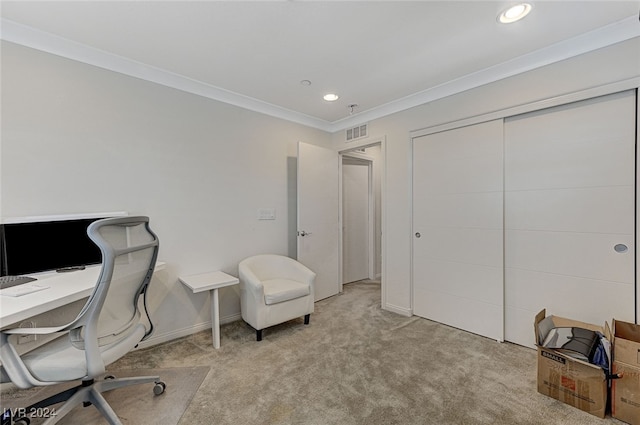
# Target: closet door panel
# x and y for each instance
(463, 210)
(458, 284)
(528, 290)
(580, 254)
(569, 201)
(458, 228)
(564, 288)
(464, 313)
(592, 209)
(458, 161)
(479, 246)
(572, 146)
(558, 168)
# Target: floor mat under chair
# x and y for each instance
(133, 405)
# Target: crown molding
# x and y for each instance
(616, 32)
(50, 43)
(30, 37)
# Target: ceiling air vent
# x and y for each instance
(357, 132)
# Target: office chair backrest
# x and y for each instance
(129, 252)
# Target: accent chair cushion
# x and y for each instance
(280, 290)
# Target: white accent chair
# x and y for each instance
(109, 326)
(274, 289)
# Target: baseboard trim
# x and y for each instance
(180, 333)
(397, 309)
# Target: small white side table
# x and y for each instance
(211, 282)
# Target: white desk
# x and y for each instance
(64, 288)
(211, 282)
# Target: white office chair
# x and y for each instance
(108, 326)
(274, 289)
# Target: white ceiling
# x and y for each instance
(384, 56)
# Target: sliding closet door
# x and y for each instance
(458, 228)
(569, 213)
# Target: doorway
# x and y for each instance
(361, 215)
(357, 219)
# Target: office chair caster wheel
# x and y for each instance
(21, 421)
(159, 388)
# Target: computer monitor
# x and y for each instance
(38, 246)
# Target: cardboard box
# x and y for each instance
(625, 391)
(572, 381)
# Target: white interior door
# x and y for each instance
(355, 220)
(318, 215)
(569, 214)
(458, 228)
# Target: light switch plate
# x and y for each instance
(266, 213)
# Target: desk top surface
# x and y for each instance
(63, 289)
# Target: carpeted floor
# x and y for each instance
(356, 364)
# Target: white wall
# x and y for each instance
(79, 139)
(614, 63)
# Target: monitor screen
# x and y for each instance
(47, 245)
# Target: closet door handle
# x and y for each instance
(418, 235)
(620, 248)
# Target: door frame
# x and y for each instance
(365, 161)
(353, 146)
(637, 217)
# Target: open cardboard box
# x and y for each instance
(572, 381)
(625, 391)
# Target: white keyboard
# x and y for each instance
(24, 289)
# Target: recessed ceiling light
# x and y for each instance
(514, 13)
(331, 97)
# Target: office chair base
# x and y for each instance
(20, 421)
(89, 392)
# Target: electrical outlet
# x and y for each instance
(25, 339)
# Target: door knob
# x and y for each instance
(418, 235)
(303, 233)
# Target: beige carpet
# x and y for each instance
(354, 364)
(358, 364)
(134, 405)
